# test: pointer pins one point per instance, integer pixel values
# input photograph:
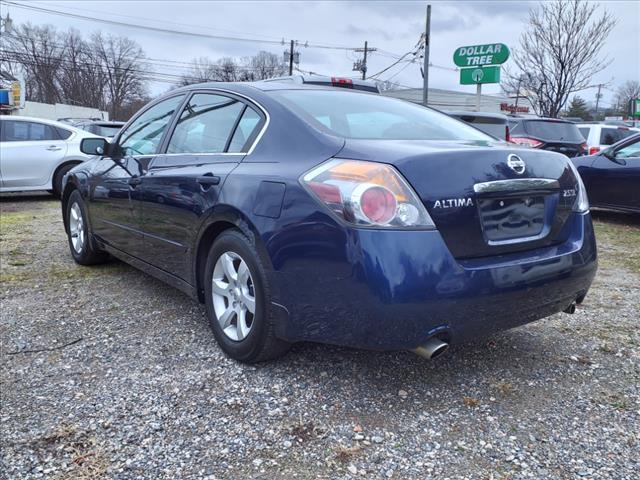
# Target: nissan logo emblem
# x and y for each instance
(516, 164)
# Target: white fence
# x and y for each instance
(59, 110)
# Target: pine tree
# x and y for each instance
(578, 108)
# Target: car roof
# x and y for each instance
(245, 88)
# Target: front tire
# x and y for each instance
(78, 233)
(238, 300)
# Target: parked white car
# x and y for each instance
(600, 135)
(35, 153)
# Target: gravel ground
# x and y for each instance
(108, 373)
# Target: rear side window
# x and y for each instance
(17, 131)
(554, 131)
(63, 133)
(143, 136)
(609, 136)
(205, 124)
(245, 131)
(584, 131)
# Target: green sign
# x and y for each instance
(473, 76)
(478, 55)
(634, 107)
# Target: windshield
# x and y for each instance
(106, 130)
(375, 117)
(554, 131)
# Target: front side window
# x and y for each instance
(143, 136)
(630, 151)
(205, 124)
(17, 131)
(375, 117)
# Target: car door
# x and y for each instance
(30, 151)
(628, 193)
(208, 141)
(615, 181)
(114, 196)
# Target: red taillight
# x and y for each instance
(377, 204)
(341, 82)
(527, 142)
(326, 193)
(594, 150)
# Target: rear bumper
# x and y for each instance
(395, 289)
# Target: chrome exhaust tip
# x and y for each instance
(434, 347)
(571, 308)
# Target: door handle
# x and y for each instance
(54, 148)
(208, 180)
(135, 181)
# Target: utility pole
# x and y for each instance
(598, 99)
(364, 62)
(427, 42)
(291, 59)
(361, 65)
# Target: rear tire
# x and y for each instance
(235, 266)
(56, 187)
(81, 244)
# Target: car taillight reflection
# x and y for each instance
(527, 142)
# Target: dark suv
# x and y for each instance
(548, 134)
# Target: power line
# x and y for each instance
(172, 31)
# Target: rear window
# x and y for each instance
(609, 136)
(490, 125)
(363, 116)
(553, 131)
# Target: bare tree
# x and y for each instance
(227, 70)
(81, 80)
(264, 65)
(202, 70)
(39, 51)
(259, 67)
(122, 63)
(625, 93)
(559, 53)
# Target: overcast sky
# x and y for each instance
(392, 27)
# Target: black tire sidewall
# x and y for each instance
(250, 347)
(56, 187)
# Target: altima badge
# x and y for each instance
(516, 164)
(453, 202)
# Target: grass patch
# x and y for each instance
(618, 244)
(61, 272)
(10, 219)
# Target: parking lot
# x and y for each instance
(106, 372)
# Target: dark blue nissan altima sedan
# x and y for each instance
(302, 213)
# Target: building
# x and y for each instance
(455, 100)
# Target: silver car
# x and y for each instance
(35, 153)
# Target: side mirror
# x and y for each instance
(94, 146)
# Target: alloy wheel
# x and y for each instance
(76, 227)
(233, 292)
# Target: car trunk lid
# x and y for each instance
(480, 202)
